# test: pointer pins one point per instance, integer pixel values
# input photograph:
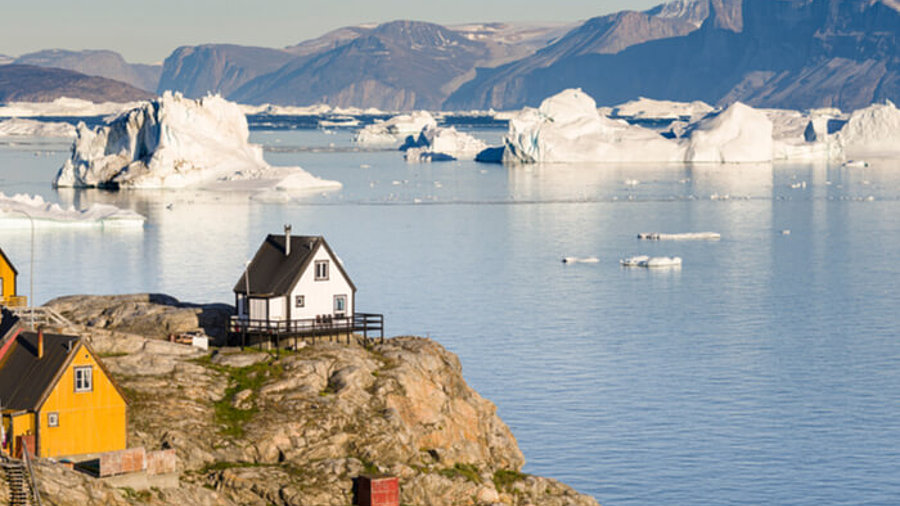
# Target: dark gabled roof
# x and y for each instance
(24, 379)
(272, 273)
(8, 323)
(6, 259)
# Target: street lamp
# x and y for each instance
(30, 266)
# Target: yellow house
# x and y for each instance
(8, 274)
(56, 395)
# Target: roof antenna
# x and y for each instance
(287, 240)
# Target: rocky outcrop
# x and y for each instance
(296, 427)
(149, 314)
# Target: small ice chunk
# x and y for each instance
(650, 262)
(579, 260)
(689, 236)
(856, 164)
(786, 231)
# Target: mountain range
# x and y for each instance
(773, 53)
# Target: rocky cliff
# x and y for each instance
(296, 427)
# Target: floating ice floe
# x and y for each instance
(176, 142)
(443, 143)
(580, 260)
(856, 164)
(19, 210)
(651, 262)
(688, 236)
(395, 129)
(22, 127)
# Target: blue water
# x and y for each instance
(765, 370)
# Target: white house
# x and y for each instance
(293, 281)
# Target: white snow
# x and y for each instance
(440, 143)
(873, 132)
(688, 236)
(650, 262)
(22, 127)
(64, 106)
(176, 142)
(396, 128)
(568, 128)
(648, 108)
(13, 212)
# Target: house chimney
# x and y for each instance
(40, 343)
(287, 240)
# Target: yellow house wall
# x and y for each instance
(89, 422)
(9, 280)
(20, 425)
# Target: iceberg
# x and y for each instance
(873, 132)
(21, 127)
(650, 109)
(740, 133)
(19, 210)
(568, 128)
(64, 106)
(440, 144)
(176, 142)
(396, 128)
(578, 260)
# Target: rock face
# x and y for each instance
(101, 63)
(28, 83)
(793, 54)
(197, 71)
(297, 427)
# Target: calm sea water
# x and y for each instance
(765, 370)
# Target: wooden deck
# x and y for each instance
(283, 333)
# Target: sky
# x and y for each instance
(148, 31)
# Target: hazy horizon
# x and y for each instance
(149, 33)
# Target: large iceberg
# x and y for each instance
(872, 132)
(650, 109)
(396, 128)
(443, 143)
(568, 128)
(176, 142)
(737, 134)
(21, 127)
(21, 211)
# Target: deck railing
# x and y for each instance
(367, 324)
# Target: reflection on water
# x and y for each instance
(765, 370)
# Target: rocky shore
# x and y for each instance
(294, 427)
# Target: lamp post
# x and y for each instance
(30, 266)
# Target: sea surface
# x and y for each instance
(766, 370)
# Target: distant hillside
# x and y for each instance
(28, 83)
(101, 63)
(5, 59)
(789, 53)
(218, 68)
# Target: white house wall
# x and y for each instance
(319, 295)
(277, 309)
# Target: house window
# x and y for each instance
(321, 270)
(299, 301)
(53, 419)
(84, 379)
(340, 305)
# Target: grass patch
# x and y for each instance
(132, 495)
(221, 466)
(504, 479)
(467, 471)
(231, 419)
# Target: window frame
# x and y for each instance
(53, 419)
(86, 380)
(324, 275)
(299, 301)
(343, 299)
